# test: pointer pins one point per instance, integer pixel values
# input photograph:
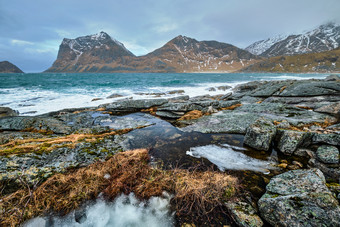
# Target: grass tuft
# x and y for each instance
(197, 195)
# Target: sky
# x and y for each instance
(31, 31)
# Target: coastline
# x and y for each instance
(298, 119)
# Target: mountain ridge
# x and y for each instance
(181, 54)
(321, 62)
(324, 37)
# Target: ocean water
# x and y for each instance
(33, 94)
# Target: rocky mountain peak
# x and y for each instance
(323, 38)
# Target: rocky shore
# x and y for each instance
(299, 119)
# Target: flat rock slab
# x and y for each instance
(299, 198)
(311, 88)
(222, 122)
(133, 105)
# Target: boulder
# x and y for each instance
(289, 141)
(7, 112)
(260, 134)
(223, 88)
(328, 154)
(114, 95)
(299, 198)
(244, 214)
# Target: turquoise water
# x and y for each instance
(38, 93)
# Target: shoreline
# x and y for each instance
(298, 119)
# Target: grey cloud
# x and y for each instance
(146, 25)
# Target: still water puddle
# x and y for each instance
(187, 149)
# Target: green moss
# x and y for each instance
(332, 184)
(88, 151)
(104, 150)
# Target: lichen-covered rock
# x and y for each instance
(133, 105)
(328, 154)
(299, 198)
(289, 140)
(19, 123)
(38, 165)
(260, 134)
(311, 88)
(222, 122)
(331, 139)
(6, 112)
(244, 214)
(333, 108)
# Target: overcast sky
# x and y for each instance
(31, 31)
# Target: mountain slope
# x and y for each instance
(327, 61)
(75, 54)
(325, 37)
(184, 54)
(261, 46)
(7, 67)
(181, 54)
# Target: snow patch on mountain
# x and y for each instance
(261, 46)
(323, 38)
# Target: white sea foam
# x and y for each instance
(227, 158)
(36, 100)
(124, 211)
(293, 77)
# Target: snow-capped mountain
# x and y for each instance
(261, 46)
(101, 53)
(325, 37)
(99, 49)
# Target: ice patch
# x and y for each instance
(124, 211)
(227, 158)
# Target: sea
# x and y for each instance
(38, 93)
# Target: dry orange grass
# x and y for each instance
(194, 114)
(196, 194)
(232, 107)
(21, 146)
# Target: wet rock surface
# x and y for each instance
(6, 112)
(299, 198)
